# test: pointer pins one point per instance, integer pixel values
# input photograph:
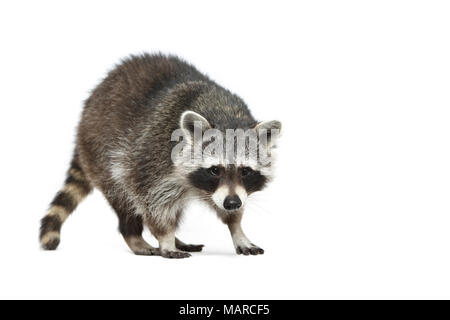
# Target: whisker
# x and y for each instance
(255, 205)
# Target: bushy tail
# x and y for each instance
(76, 188)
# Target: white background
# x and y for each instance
(360, 206)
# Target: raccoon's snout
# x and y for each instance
(229, 200)
(232, 202)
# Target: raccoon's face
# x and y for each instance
(228, 186)
(225, 181)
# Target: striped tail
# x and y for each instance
(76, 188)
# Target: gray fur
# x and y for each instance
(123, 142)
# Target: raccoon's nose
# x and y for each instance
(232, 202)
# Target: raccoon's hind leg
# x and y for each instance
(76, 188)
(140, 247)
(131, 227)
(180, 245)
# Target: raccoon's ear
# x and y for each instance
(191, 120)
(270, 128)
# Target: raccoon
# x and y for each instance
(124, 148)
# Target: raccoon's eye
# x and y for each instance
(214, 170)
(246, 171)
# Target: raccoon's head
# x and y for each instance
(225, 179)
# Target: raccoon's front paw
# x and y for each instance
(174, 254)
(251, 249)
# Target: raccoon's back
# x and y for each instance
(128, 90)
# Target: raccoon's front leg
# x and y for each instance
(167, 246)
(241, 243)
(166, 238)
